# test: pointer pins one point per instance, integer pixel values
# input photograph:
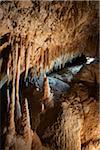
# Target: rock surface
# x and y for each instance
(50, 33)
(37, 38)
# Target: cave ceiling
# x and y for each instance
(49, 33)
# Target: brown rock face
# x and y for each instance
(42, 36)
(72, 123)
(76, 125)
(50, 33)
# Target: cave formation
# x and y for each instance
(49, 75)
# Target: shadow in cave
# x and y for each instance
(34, 101)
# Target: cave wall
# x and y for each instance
(44, 35)
(50, 33)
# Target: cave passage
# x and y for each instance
(49, 75)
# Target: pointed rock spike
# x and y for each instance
(18, 109)
(46, 88)
(27, 61)
(16, 51)
(8, 74)
(26, 121)
(11, 127)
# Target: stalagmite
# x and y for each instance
(46, 88)
(47, 95)
(26, 121)
(11, 127)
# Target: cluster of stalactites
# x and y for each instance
(13, 72)
(42, 60)
(21, 48)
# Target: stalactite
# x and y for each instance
(26, 121)
(22, 53)
(48, 58)
(18, 109)
(45, 62)
(8, 74)
(16, 55)
(27, 61)
(42, 59)
(11, 128)
(40, 64)
(16, 73)
(33, 53)
(36, 69)
(11, 107)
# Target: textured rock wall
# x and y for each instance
(45, 35)
(50, 33)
